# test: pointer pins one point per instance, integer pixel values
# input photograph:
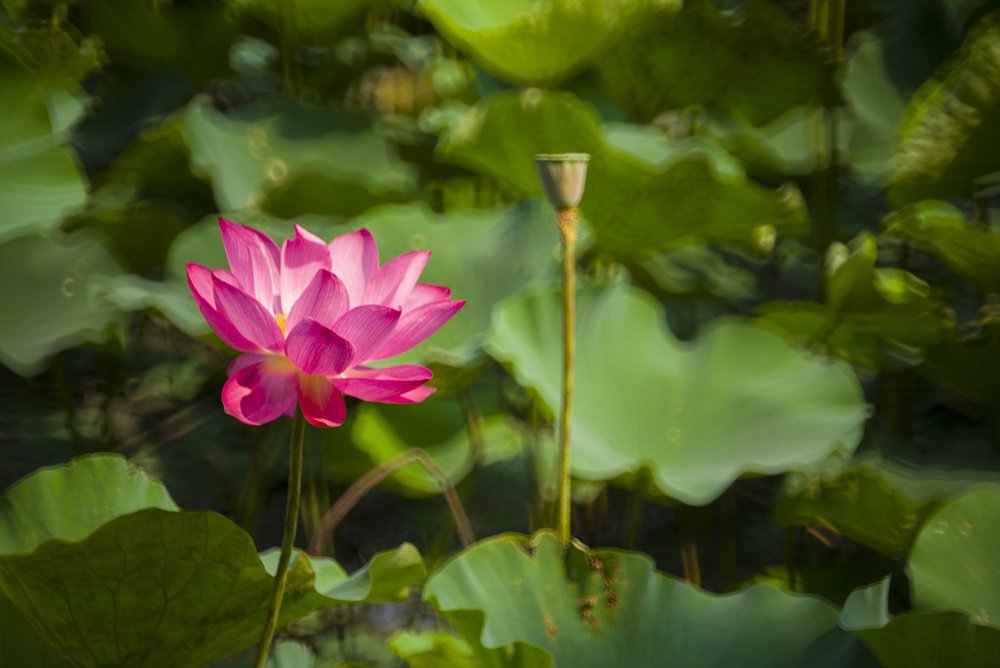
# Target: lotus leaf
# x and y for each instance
(917, 639)
(952, 123)
(58, 303)
(291, 159)
(970, 250)
(761, 63)
(644, 399)
(636, 207)
(529, 42)
(877, 502)
(99, 560)
(514, 597)
(39, 178)
(952, 565)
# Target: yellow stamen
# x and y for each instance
(281, 318)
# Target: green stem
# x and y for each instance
(288, 541)
(567, 222)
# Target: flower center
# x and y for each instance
(281, 318)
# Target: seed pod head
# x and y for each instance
(563, 177)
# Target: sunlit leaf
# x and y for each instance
(690, 192)
(514, 597)
(645, 400)
(529, 42)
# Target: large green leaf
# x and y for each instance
(876, 502)
(513, 597)
(645, 400)
(20, 645)
(69, 502)
(760, 64)
(917, 639)
(57, 303)
(953, 563)
(291, 159)
(932, 640)
(535, 41)
(96, 556)
(952, 123)
(969, 249)
(39, 179)
(688, 192)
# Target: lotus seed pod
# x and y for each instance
(563, 176)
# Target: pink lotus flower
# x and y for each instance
(309, 316)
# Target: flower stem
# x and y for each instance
(566, 219)
(288, 541)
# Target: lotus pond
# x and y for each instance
(480, 333)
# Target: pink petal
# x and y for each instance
(253, 258)
(425, 293)
(382, 384)
(261, 392)
(301, 258)
(354, 258)
(316, 350)
(395, 280)
(243, 361)
(322, 404)
(367, 328)
(203, 290)
(324, 300)
(415, 326)
(245, 317)
(412, 397)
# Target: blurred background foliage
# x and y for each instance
(789, 335)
